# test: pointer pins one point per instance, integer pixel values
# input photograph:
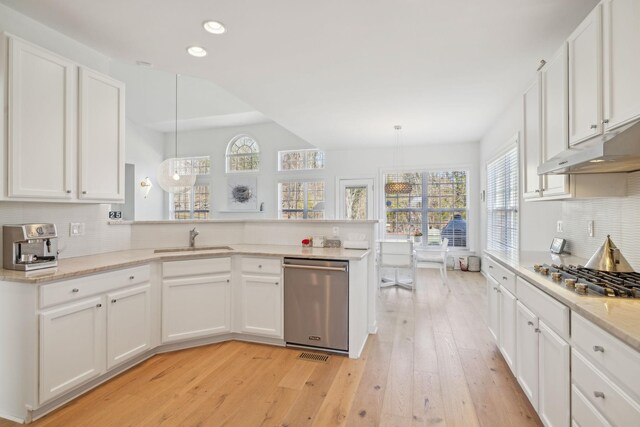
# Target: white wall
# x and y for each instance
(537, 219)
(144, 148)
(213, 142)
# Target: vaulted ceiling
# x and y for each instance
(339, 73)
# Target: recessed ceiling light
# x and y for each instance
(197, 51)
(214, 27)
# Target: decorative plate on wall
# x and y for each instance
(242, 193)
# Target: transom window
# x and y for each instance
(243, 154)
(301, 200)
(195, 202)
(300, 160)
(431, 204)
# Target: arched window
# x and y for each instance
(243, 154)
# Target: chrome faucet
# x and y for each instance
(192, 237)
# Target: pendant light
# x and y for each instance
(170, 178)
(397, 187)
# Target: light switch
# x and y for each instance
(76, 229)
(590, 228)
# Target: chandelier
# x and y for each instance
(397, 187)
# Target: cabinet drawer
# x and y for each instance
(196, 267)
(583, 413)
(618, 408)
(554, 314)
(72, 290)
(261, 265)
(502, 275)
(607, 352)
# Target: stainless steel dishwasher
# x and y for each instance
(316, 303)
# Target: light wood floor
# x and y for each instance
(431, 364)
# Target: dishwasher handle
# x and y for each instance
(315, 267)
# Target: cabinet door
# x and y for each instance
(72, 346)
(621, 62)
(128, 324)
(554, 378)
(101, 138)
(41, 123)
(532, 144)
(262, 305)
(195, 307)
(493, 310)
(585, 79)
(527, 352)
(507, 338)
(555, 118)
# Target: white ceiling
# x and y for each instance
(339, 72)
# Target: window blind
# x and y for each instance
(502, 203)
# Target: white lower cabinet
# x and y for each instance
(493, 309)
(72, 346)
(507, 319)
(195, 307)
(527, 352)
(262, 305)
(128, 324)
(554, 378)
(196, 298)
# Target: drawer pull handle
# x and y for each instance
(491, 266)
(75, 290)
(537, 330)
(132, 277)
(84, 192)
(68, 191)
(113, 301)
(530, 323)
(98, 305)
(594, 126)
(505, 278)
(499, 291)
(260, 266)
(277, 283)
(599, 348)
(598, 394)
(227, 280)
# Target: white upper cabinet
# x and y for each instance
(41, 123)
(65, 129)
(101, 137)
(555, 113)
(585, 79)
(621, 29)
(532, 182)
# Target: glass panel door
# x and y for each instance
(355, 199)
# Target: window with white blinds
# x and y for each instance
(502, 203)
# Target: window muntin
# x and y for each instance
(301, 199)
(243, 154)
(300, 160)
(503, 203)
(194, 203)
(436, 206)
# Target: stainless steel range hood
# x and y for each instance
(616, 151)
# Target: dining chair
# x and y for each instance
(435, 259)
(396, 255)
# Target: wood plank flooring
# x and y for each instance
(431, 364)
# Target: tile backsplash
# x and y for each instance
(99, 236)
(617, 216)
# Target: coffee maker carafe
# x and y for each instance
(29, 247)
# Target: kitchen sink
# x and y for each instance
(195, 249)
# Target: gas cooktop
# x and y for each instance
(585, 281)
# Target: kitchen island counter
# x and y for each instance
(91, 264)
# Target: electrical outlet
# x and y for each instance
(559, 227)
(590, 228)
(76, 229)
(336, 231)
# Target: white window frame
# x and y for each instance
(510, 241)
(229, 155)
(425, 209)
(305, 168)
(201, 179)
(305, 211)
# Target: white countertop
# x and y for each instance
(90, 264)
(618, 316)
